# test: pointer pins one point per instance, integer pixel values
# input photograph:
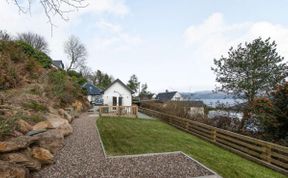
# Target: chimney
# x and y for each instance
(167, 91)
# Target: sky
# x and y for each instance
(168, 44)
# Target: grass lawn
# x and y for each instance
(123, 136)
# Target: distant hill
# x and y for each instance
(206, 95)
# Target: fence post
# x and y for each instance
(266, 153)
(187, 125)
(100, 110)
(213, 134)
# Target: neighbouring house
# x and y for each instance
(195, 108)
(169, 96)
(94, 94)
(58, 64)
(117, 94)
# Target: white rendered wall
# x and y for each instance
(117, 90)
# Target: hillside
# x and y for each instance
(206, 95)
(33, 96)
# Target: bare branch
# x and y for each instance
(51, 8)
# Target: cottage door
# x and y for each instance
(120, 101)
(114, 101)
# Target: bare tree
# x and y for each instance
(4, 36)
(51, 7)
(86, 71)
(35, 40)
(76, 53)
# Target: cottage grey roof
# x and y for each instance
(165, 96)
(121, 83)
(92, 89)
(58, 63)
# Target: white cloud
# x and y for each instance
(214, 36)
(115, 38)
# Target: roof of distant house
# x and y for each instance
(121, 83)
(92, 89)
(58, 63)
(165, 96)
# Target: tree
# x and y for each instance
(36, 41)
(272, 113)
(250, 71)
(100, 79)
(133, 83)
(76, 53)
(144, 93)
(4, 36)
(51, 8)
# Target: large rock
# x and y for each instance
(65, 115)
(60, 124)
(16, 143)
(43, 155)
(23, 126)
(12, 170)
(42, 125)
(22, 158)
(51, 140)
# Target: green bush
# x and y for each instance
(63, 87)
(77, 77)
(43, 58)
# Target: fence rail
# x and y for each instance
(266, 153)
(124, 111)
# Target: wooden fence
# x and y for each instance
(268, 154)
(123, 111)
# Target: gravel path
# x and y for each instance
(82, 156)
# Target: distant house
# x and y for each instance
(169, 96)
(94, 94)
(117, 94)
(195, 108)
(58, 64)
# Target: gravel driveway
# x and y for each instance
(83, 156)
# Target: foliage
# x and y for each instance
(7, 126)
(129, 136)
(77, 77)
(35, 106)
(133, 83)
(34, 118)
(4, 36)
(250, 71)
(76, 53)
(43, 58)
(63, 87)
(273, 113)
(36, 41)
(101, 79)
(176, 108)
(144, 93)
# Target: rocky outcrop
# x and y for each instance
(22, 158)
(22, 154)
(23, 126)
(43, 155)
(12, 170)
(42, 125)
(65, 115)
(16, 143)
(51, 140)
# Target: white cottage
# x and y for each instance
(117, 94)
